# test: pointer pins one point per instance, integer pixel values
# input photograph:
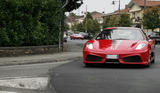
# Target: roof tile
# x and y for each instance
(148, 2)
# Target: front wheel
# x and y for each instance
(153, 55)
(149, 59)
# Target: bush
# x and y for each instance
(30, 22)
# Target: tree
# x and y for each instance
(114, 21)
(151, 18)
(74, 27)
(72, 4)
(120, 20)
(106, 22)
(92, 26)
(66, 27)
(72, 14)
(88, 16)
(89, 23)
(32, 22)
(80, 27)
(124, 21)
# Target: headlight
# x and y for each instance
(90, 45)
(140, 46)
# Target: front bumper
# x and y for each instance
(138, 57)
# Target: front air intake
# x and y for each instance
(93, 58)
(132, 59)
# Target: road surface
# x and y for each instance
(73, 77)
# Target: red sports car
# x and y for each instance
(122, 45)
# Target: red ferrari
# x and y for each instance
(122, 45)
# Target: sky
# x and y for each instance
(100, 6)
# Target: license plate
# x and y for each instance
(112, 56)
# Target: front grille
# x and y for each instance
(112, 61)
(93, 58)
(132, 59)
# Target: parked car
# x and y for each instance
(154, 35)
(85, 35)
(76, 36)
(120, 45)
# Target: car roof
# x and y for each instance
(123, 28)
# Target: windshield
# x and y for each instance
(121, 34)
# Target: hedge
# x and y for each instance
(30, 22)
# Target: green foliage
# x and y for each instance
(80, 27)
(4, 37)
(106, 22)
(114, 21)
(89, 16)
(66, 27)
(122, 20)
(151, 19)
(30, 22)
(72, 14)
(72, 4)
(92, 26)
(74, 27)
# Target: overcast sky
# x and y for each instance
(101, 5)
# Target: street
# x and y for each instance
(33, 78)
(74, 77)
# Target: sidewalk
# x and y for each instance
(43, 58)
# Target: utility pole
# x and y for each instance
(86, 18)
(119, 7)
(60, 41)
(144, 4)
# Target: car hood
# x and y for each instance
(116, 45)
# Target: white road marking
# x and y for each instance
(7, 92)
(39, 83)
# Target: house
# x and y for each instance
(70, 20)
(117, 12)
(97, 16)
(137, 9)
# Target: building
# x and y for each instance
(97, 16)
(137, 9)
(70, 20)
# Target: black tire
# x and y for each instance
(149, 60)
(153, 61)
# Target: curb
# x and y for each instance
(39, 61)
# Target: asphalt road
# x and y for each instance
(17, 73)
(13, 76)
(75, 78)
(75, 45)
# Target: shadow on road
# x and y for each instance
(117, 66)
